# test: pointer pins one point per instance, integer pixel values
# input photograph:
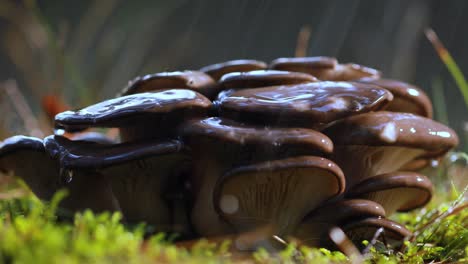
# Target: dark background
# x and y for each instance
(84, 51)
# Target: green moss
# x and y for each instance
(30, 232)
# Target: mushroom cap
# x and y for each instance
(315, 227)
(303, 105)
(406, 97)
(229, 131)
(19, 143)
(276, 193)
(27, 159)
(191, 80)
(219, 144)
(365, 229)
(139, 174)
(383, 142)
(325, 68)
(93, 155)
(303, 64)
(393, 129)
(262, 78)
(125, 111)
(339, 212)
(397, 191)
(216, 71)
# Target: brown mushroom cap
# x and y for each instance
(325, 68)
(139, 174)
(139, 115)
(396, 191)
(382, 142)
(219, 144)
(314, 229)
(262, 78)
(216, 71)
(304, 64)
(277, 193)
(303, 105)
(406, 97)
(226, 131)
(365, 229)
(26, 158)
(191, 80)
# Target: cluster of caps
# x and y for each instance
(247, 150)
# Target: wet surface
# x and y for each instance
(415, 100)
(228, 130)
(219, 69)
(92, 155)
(262, 78)
(389, 128)
(310, 103)
(192, 80)
(110, 112)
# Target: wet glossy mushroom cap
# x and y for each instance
(303, 105)
(366, 229)
(261, 140)
(263, 78)
(382, 142)
(191, 80)
(143, 115)
(219, 144)
(407, 98)
(139, 173)
(313, 230)
(396, 191)
(304, 64)
(276, 194)
(26, 158)
(325, 68)
(216, 71)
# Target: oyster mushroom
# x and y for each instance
(325, 68)
(139, 116)
(218, 144)
(260, 196)
(28, 159)
(303, 105)
(407, 98)
(382, 142)
(314, 228)
(395, 191)
(262, 78)
(216, 71)
(365, 229)
(253, 79)
(138, 173)
(191, 80)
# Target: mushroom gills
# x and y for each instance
(259, 195)
(315, 227)
(365, 229)
(369, 161)
(395, 191)
(140, 187)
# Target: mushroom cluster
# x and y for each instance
(247, 150)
